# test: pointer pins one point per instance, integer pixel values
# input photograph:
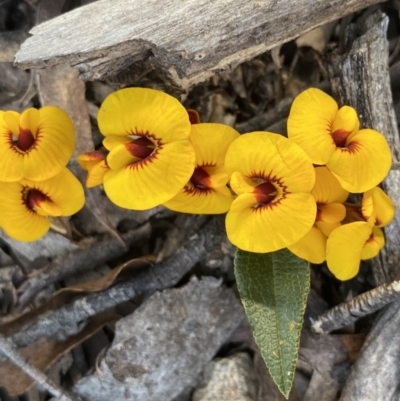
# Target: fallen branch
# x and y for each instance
(363, 305)
(186, 43)
(80, 261)
(71, 319)
(9, 349)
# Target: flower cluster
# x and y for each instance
(35, 147)
(153, 155)
(277, 192)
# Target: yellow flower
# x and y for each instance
(361, 239)
(96, 165)
(151, 157)
(359, 159)
(36, 144)
(273, 178)
(329, 196)
(26, 205)
(206, 192)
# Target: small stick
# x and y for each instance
(10, 350)
(360, 306)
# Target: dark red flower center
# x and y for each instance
(34, 197)
(200, 178)
(25, 139)
(141, 147)
(265, 193)
(340, 138)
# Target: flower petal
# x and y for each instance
(120, 157)
(143, 111)
(60, 195)
(64, 190)
(376, 205)
(272, 227)
(274, 157)
(327, 188)
(11, 119)
(344, 249)
(211, 142)
(346, 123)
(16, 219)
(331, 213)
(54, 145)
(241, 184)
(374, 244)
(311, 247)
(326, 228)
(11, 160)
(193, 200)
(30, 120)
(111, 141)
(363, 163)
(310, 122)
(152, 182)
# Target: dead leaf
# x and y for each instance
(68, 294)
(43, 353)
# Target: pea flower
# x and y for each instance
(361, 238)
(35, 145)
(359, 159)
(207, 192)
(27, 205)
(329, 196)
(95, 164)
(273, 178)
(151, 158)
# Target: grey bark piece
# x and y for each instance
(360, 78)
(375, 375)
(187, 42)
(165, 344)
(321, 388)
(229, 379)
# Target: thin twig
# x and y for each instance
(360, 306)
(9, 349)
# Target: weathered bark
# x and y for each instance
(187, 42)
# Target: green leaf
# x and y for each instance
(273, 288)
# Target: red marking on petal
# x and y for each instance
(340, 137)
(196, 191)
(25, 140)
(34, 197)
(353, 146)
